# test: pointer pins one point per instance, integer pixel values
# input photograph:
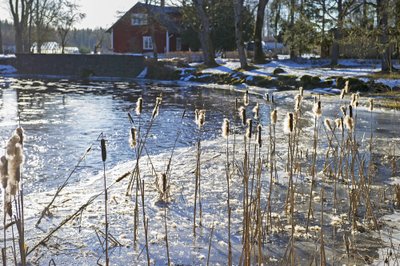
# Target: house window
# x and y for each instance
(178, 44)
(147, 43)
(139, 19)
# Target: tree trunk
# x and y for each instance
(238, 6)
(259, 56)
(386, 56)
(292, 49)
(337, 36)
(1, 40)
(204, 35)
(19, 42)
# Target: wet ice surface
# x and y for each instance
(63, 118)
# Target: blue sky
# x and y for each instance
(99, 13)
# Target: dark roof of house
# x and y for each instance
(161, 14)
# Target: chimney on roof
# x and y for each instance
(162, 3)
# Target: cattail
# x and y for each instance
(274, 117)
(297, 104)
(256, 111)
(328, 125)
(339, 123)
(3, 172)
(351, 111)
(103, 150)
(20, 132)
(348, 121)
(202, 118)
(242, 114)
(289, 123)
(267, 95)
(249, 129)
(259, 140)
(11, 146)
(246, 98)
(225, 128)
(301, 91)
(164, 182)
(272, 99)
(317, 109)
(371, 104)
(342, 92)
(353, 99)
(139, 105)
(346, 87)
(156, 107)
(132, 138)
(343, 109)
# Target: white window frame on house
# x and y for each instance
(147, 43)
(139, 19)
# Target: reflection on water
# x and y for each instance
(62, 118)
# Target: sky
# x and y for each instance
(99, 13)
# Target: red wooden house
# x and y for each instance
(132, 33)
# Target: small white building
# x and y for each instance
(53, 48)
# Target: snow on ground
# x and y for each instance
(318, 67)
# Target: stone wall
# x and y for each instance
(80, 65)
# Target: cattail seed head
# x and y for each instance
(342, 92)
(164, 182)
(133, 138)
(272, 99)
(328, 125)
(301, 91)
(267, 95)
(3, 172)
(354, 100)
(256, 111)
(20, 132)
(348, 121)
(297, 104)
(249, 129)
(201, 118)
(317, 109)
(246, 98)
(242, 114)
(343, 109)
(259, 140)
(371, 104)
(351, 111)
(156, 107)
(346, 87)
(225, 128)
(289, 123)
(139, 106)
(103, 150)
(274, 117)
(339, 123)
(11, 145)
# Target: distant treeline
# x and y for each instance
(87, 40)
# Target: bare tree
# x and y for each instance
(205, 34)
(1, 40)
(45, 14)
(69, 16)
(20, 11)
(237, 8)
(382, 18)
(259, 56)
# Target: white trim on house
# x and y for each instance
(112, 39)
(147, 43)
